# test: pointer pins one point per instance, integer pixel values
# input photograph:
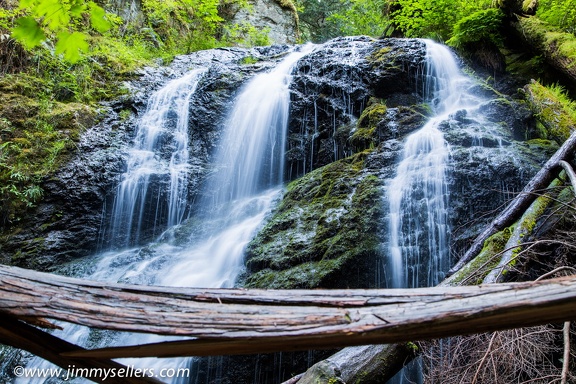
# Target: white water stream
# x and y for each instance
(159, 155)
(250, 171)
(418, 195)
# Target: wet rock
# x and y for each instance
(70, 220)
(333, 85)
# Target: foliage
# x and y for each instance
(360, 17)
(425, 18)
(193, 21)
(246, 35)
(560, 13)
(64, 21)
(480, 27)
(322, 20)
(314, 16)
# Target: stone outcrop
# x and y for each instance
(279, 18)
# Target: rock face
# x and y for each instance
(70, 221)
(278, 17)
(129, 10)
(355, 103)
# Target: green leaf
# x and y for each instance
(27, 4)
(55, 14)
(28, 32)
(98, 18)
(71, 45)
(78, 8)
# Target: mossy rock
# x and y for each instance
(323, 233)
(71, 118)
(554, 109)
(18, 109)
(364, 136)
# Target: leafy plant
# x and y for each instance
(62, 21)
(247, 35)
(480, 27)
(560, 13)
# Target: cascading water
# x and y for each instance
(250, 170)
(251, 156)
(158, 157)
(418, 195)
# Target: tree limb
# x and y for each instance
(519, 205)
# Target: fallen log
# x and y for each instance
(519, 205)
(237, 321)
(23, 336)
(548, 42)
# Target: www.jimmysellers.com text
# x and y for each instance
(101, 373)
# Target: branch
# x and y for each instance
(517, 207)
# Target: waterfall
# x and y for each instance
(251, 155)
(248, 180)
(158, 157)
(418, 195)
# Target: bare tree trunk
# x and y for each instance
(237, 321)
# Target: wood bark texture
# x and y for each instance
(237, 321)
(23, 336)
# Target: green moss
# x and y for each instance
(380, 55)
(249, 60)
(364, 135)
(474, 272)
(304, 276)
(534, 213)
(38, 136)
(554, 109)
(327, 220)
(412, 346)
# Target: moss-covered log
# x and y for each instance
(555, 46)
(553, 109)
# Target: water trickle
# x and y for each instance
(418, 195)
(158, 157)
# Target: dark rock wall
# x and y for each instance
(71, 221)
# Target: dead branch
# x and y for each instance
(258, 321)
(519, 205)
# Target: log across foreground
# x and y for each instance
(238, 321)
